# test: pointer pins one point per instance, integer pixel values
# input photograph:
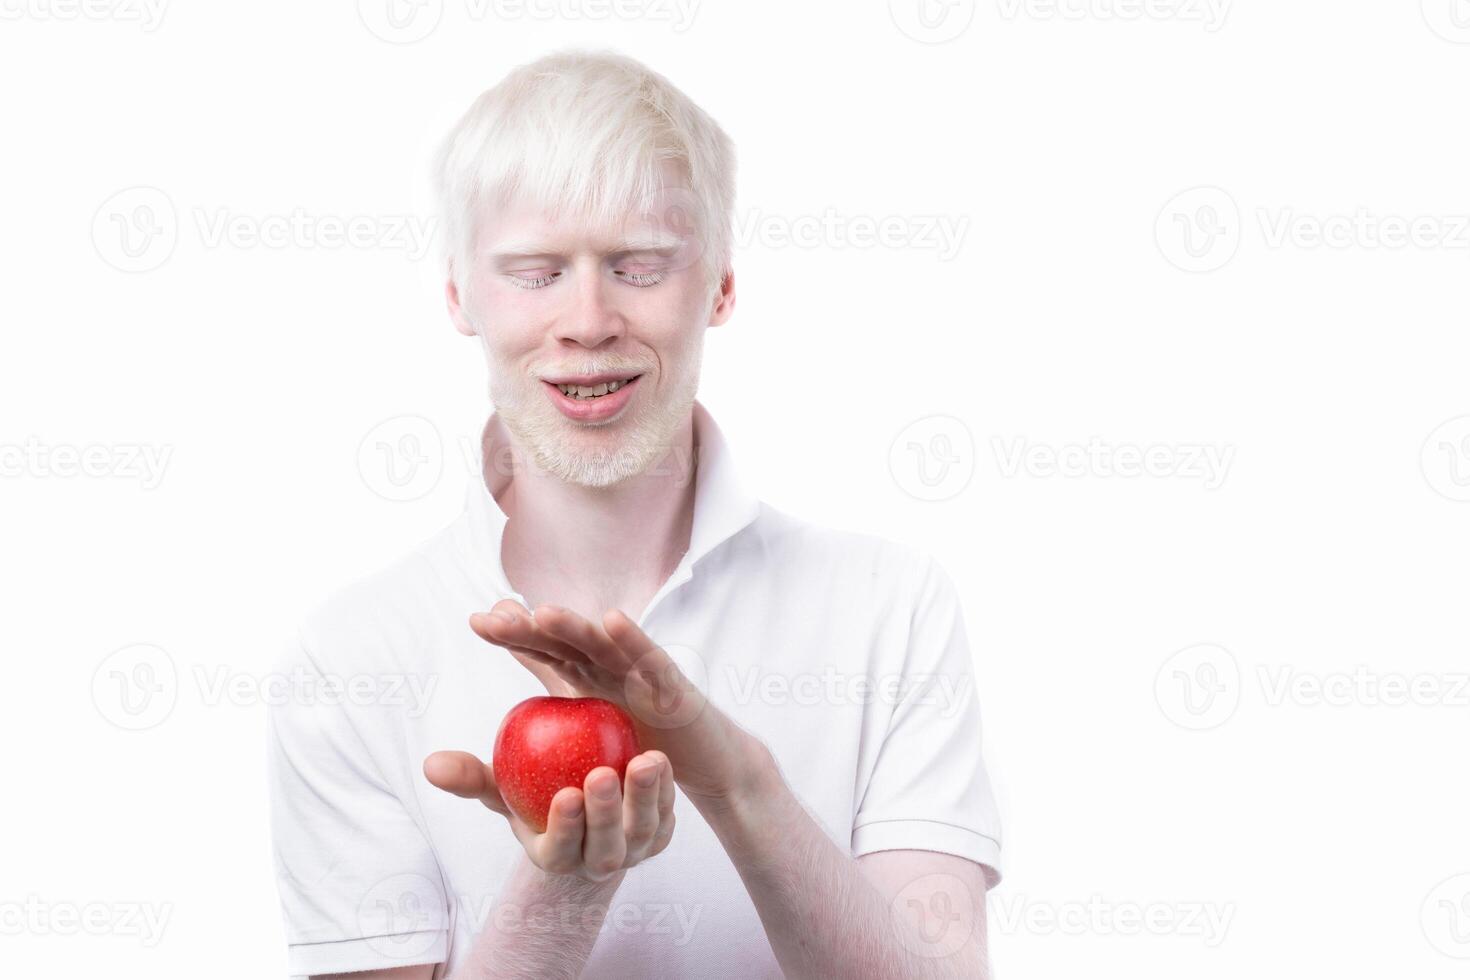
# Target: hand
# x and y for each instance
(594, 832)
(712, 756)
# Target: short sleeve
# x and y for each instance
(929, 789)
(360, 887)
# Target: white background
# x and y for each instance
(1092, 296)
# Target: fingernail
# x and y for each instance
(574, 808)
(646, 776)
(605, 788)
(504, 616)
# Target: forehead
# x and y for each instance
(664, 217)
(528, 229)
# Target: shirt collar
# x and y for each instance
(722, 504)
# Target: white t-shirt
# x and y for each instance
(845, 653)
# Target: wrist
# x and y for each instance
(552, 888)
(754, 795)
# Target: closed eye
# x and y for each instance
(533, 282)
(640, 279)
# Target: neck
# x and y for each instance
(591, 549)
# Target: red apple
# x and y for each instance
(547, 743)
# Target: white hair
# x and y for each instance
(584, 135)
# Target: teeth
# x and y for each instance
(595, 391)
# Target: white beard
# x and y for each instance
(554, 444)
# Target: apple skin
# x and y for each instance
(546, 743)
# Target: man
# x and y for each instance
(811, 800)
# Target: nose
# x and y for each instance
(592, 315)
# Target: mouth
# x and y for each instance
(582, 390)
(593, 398)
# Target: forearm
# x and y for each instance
(822, 915)
(541, 926)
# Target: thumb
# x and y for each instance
(464, 775)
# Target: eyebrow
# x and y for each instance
(514, 251)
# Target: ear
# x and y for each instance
(724, 305)
(457, 313)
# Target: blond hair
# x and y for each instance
(584, 135)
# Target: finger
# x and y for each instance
(634, 644)
(640, 804)
(464, 775)
(574, 630)
(559, 850)
(511, 628)
(605, 847)
(665, 830)
(520, 653)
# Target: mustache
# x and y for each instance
(590, 367)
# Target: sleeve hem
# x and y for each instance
(930, 835)
(376, 953)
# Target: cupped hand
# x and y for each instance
(594, 832)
